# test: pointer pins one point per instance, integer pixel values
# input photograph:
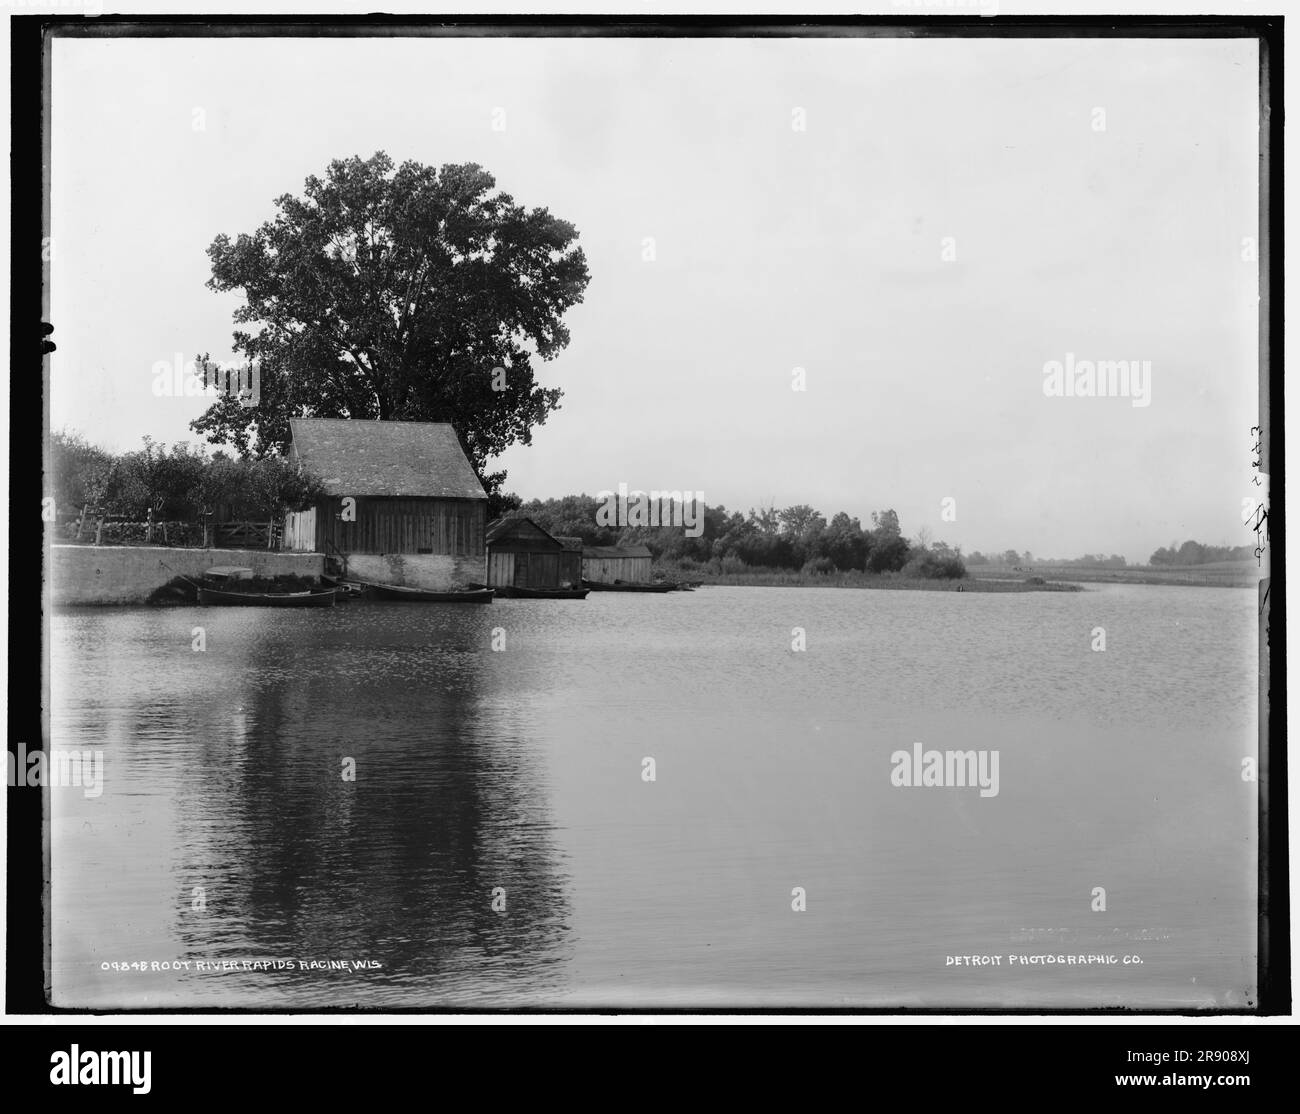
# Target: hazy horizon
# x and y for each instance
(949, 221)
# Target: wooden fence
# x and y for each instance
(247, 535)
(93, 527)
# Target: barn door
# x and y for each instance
(521, 570)
(546, 574)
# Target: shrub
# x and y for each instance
(928, 565)
(818, 566)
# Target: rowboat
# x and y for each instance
(400, 593)
(542, 593)
(626, 586)
(214, 597)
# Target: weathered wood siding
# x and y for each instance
(436, 526)
(300, 531)
(524, 570)
(537, 570)
(501, 570)
(605, 570)
(571, 567)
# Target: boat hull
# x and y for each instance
(395, 593)
(512, 593)
(214, 597)
(620, 586)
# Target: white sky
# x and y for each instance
(775, 249)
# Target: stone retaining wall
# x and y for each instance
(124, 574)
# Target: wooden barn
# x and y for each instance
(523, 555)
(604, 564)
(404, 504)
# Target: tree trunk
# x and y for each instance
(148, 527)
(99, 531)
(81, 522)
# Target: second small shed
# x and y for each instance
(604, 564)
(523, 555)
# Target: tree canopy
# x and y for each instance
(397, 293)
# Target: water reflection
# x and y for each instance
(276, 856)
(521, 771)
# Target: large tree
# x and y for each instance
(398, 293)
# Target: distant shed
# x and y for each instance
(523, 555)
(605, 564)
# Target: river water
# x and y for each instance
(502, 844)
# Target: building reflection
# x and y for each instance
(447, 817)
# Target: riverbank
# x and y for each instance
(791, 578)
(985, 578)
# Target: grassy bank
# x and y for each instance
(794, 578)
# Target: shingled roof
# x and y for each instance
(421, 460)
(518, 528)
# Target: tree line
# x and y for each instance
(1194, 553)
(795, 537)
(1188, 553)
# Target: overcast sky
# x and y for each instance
(775, 248)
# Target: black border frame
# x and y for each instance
(30, 70)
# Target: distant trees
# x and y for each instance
(1188, 553)
(795, 537)
(1194, 553)
(1012, 559)
(571, 516)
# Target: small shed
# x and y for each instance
(523, 555)
(604, 564)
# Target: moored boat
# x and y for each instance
(626, 586)
(220, 597)
(401, 593)
(541, 593)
